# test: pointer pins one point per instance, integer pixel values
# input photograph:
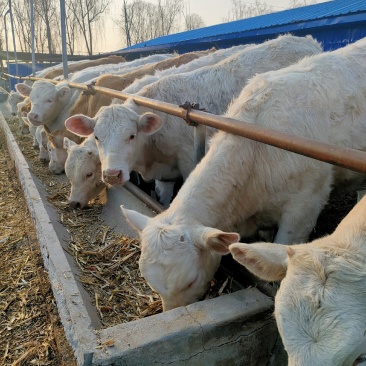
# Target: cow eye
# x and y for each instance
(89, 175)
(181, 239)
(96, 138)
(132, 136)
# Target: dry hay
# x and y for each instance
(30, 330)
(108, 262)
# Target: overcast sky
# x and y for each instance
(211, 11)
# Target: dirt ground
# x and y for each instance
(30, 330)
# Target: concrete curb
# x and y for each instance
(235, 329)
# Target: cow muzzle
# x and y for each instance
(34, 119)
(113, 177)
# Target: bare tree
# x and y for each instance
(144, 26)
(299, 3)
(21, 19)
(168, 15)
(86, 13)
(72, 29)
(193, 21)
(3, 6)
(45, 22)
(241, 10)
(140, 20)
(47, 11)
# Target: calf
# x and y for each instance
(159, 145)
(320, 306)
(241, 185)
(13, 99)
(50, 103)
(82, 168)
(57, 152)
(22, 110)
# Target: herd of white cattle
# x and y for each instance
(288, 84)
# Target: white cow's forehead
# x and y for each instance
(42, 91)
(113, 123)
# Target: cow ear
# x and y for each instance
(219, 241)
(80, 125)
(23, 89)
(62, 90)
(135, 219)
(265, 260)
(68, 144)
(149, 123)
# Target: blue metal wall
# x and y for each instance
(24, 70)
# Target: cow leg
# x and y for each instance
(300, 213)
(164, 190)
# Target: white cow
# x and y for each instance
(13, 99)
(83, 170)
(159, 145)
(321, 303)
(23, 124)
(50, 102)
(241, 185)
(56, 150)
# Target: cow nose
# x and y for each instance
(33, 116)
(75, 204)
(13, 114)
(112, 176)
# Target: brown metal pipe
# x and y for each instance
(341, 156)
(143, 197)
(337, 155)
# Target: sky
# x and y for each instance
(211, 11)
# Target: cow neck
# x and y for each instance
(211, 196)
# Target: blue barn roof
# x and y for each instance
(334, 23)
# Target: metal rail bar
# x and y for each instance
(143, 197)
(341, 156)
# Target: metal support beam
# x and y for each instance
(32, 38)
(13, 34)
(6, 39)
(63, 36)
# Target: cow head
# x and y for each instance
(176, 260)
(320, 305)
(13, 99)
(120, 134)
(83, 169)
(47, 100)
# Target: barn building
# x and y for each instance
(333, 23)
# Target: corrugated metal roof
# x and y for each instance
(311, 12)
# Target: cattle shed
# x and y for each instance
(334, 23)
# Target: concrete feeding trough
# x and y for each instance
(234, 329)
